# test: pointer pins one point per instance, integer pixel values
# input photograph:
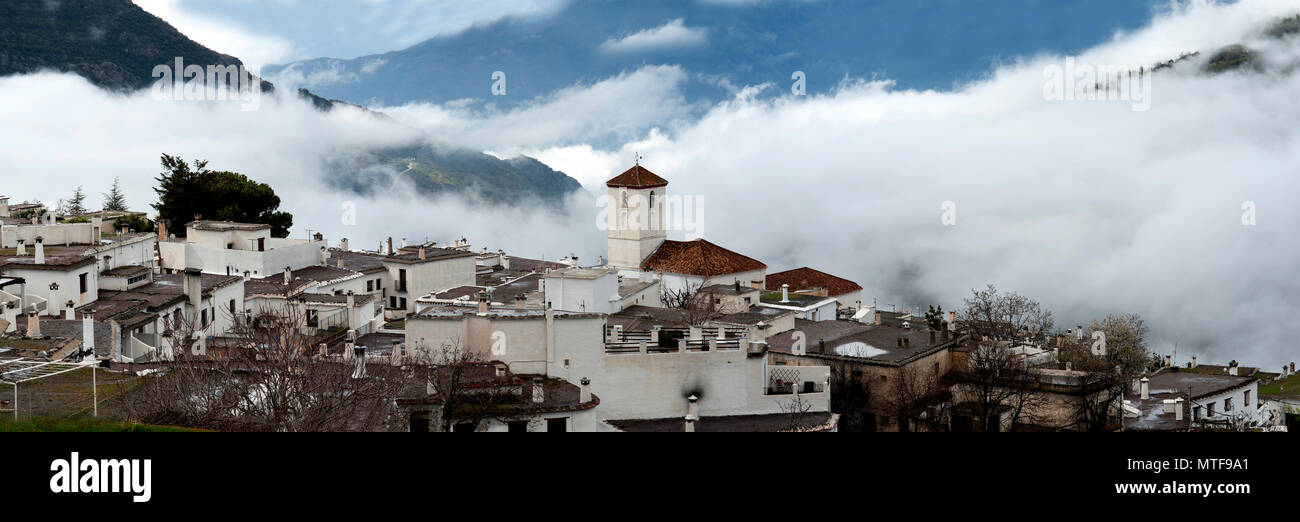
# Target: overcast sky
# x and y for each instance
(1089, 206)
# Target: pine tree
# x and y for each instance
(115, 200)
(77, 204)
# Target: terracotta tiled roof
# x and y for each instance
(806, 278)
(637, 177)
(699, 258)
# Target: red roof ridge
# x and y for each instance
(804, 278)
(699, 258)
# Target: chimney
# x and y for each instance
(1178, 409)
(880, 319)
(1078, 334)
(785, 293)
(11, 315)
(1232, 368)
(343, 244)
(934, 337)
(69, 311)
(324, 350)
(359, 353)
(397, 353)
(521, 301)
(1169, 361)
(390, 245)
(22, 247)
(539, 391)
(584, 393)
(403, 242)
(952, 320)
(1194, 361)
(115, 348)
(194, 289)
(33, 326)
(1292, 366)
(4, 206)
(1145, 386)
(340, 262)
(945, 335)
(288, 276)
(692, 413)
(422, 258)
(40, 251)
(482, 302)
(349, 345)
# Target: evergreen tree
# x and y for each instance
(115, 200)
(187, 193)
(77, 204)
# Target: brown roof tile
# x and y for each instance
(637, 177)
(699, 258)
(806, 278)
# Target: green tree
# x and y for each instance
(115, 200)
(190, 192)
(74, 205)
(135, 222)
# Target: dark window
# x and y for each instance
(232, 307)
(517, 426)
(261, 244)
(203, 318)
(557, 425)
(401, 280)
(313, 320)
(392, 302)
(419, 424)
(82, 279)
(370, 286)
(403, 303)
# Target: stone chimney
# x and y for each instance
(359, 353)
(194, 291)
(69, 311)
(945, 335)
(422, 258)
(692, 413)
(1232, 368)
(1194, 361)
(288, 276)
(785, 293)
(343, 245)
(539, 391)
(115, 348)
(40, 251)
(4, 206)
(521, 301)
(584, 391)
(22, 247)
(33, 326)
(934, 337)
(1078, 335)
(1145, 386)
(1169, 361)
(390, 245)
(1292, 366)
(349, 345)
(340, 263)
(483, 304)
(403, 242)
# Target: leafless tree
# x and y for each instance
(915, 394)
(469, 389)
(265, 375)
(851, 399)
(797, 411)
(991, 313)
(697, 307)
(997, 382)
(1109, 372)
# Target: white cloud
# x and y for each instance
(673, 34)
(618, 107)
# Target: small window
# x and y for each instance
(392, 302)
(1227, 405)
(370, 286)
(403, 302)
(203, 318)
(1247, 402)
(557, 425)
(1209, 410)
(84, 286)
(232, 307)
